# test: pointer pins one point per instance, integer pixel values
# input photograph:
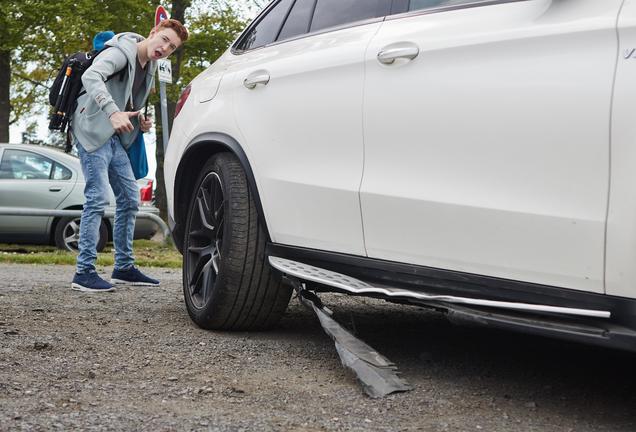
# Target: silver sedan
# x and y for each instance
(46, 178)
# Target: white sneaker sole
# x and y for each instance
(78, 287)
(123, 282)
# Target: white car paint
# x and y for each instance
(621, 223)
(304, 130)
(489, 153)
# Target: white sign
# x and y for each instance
(165, 71)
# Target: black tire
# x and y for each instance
(227, 282)
(67, 234)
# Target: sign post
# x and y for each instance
(165, 75)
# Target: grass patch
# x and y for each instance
(148, 253)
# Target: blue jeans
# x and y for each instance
(109, 164)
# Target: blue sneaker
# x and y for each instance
(132, 276)
(90, 282)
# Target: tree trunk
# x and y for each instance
(160, 192)
(178, 12)
(5, 85)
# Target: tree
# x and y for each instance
(37, 34)
(213, 25)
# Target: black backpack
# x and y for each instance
(65, 90)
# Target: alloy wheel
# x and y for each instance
(71, 234)
(205, 239)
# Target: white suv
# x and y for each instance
(472, 156)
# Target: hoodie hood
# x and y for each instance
(127, 42)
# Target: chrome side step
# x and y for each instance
(356, 286)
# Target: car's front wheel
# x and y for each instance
(227, 281)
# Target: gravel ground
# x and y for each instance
(133, 360)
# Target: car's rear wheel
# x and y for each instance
(67, 233)
(227, 281)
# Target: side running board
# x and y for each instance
(356, 286)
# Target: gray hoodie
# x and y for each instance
(91, 121)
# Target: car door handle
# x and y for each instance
(402, 50)
(255, 78)
(55, 188)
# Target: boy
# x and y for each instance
(104, 125)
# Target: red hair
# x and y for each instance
(175, 25)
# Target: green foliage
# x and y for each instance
(40, 33)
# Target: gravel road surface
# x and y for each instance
(133, 360)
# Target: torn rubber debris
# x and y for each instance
(376, 373)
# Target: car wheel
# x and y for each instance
(67, 233)
(227, 281)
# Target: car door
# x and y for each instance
(30, 180)
(487, 138)
(297, 78)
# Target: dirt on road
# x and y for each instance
(133, 360)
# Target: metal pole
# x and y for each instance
(165, 132)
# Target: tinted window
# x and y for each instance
(266, 30)
(427, 4)
(61, 172)
(298, 20)
(331, 13)
(23, 165)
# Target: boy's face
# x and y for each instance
(162, 43)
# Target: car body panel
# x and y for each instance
(621, 224)
(498, 161)
(305, 151)
(33, 193)
(37, 194)
(489, 152)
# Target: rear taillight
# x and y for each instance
(145, 193)
(182, 99)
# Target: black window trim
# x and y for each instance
(311, 18)
(439, 9)
(234, 50)
(399, 15)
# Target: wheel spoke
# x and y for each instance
(70, 239)
(74, 226)
(203, 250)
(216, 260)
(197, 274)
(206, 289)
(203, 216)
(219, 213)
(219, 230)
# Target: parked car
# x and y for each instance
(46, 178)
(475, 157)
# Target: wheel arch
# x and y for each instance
(197, 153)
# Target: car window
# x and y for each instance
(266, 29)
(25, 165)
(428, 4)
(61, 172)
(331, 13)
(298, 21)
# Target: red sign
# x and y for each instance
(161, 14)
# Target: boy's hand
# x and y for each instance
(121, 120)
(145, 123)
